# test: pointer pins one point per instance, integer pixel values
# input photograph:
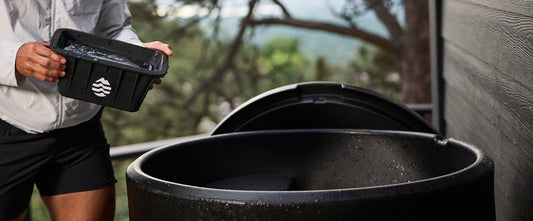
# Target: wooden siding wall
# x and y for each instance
(487, 58)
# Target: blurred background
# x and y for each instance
(228, 51)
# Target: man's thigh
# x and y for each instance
(88, 205)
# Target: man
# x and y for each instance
(54, 142)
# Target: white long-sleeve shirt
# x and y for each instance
(27, 102)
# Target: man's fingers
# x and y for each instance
(44, 51)
(48, 59)
(157, 81)
(165, 48)
(58, 58)
(44, 43)
(48, 79)
(49, 73)
(49, 63)
(42, 77)
(43, 73)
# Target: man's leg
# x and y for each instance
(19, 218)
(78, 182)
(94, 205)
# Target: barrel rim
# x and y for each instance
(481, 167)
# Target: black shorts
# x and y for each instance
(67, 160)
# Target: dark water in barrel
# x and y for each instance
(101, 54)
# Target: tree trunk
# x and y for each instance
(414, 58)
(411, 47)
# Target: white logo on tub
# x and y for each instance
(101, 87)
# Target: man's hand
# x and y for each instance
(165, 48)
(36, 59)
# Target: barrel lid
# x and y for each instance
(315, 105)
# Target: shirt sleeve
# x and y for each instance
(115, 22)
(8, 74)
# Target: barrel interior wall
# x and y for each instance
(307, 161)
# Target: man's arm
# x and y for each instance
(115, 22)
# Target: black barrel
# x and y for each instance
(313, 174)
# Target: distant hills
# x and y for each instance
(337, 48)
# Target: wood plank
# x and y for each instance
(500, 100)
(523, 7)
(488, 49)
(501, 39)
(513, 169)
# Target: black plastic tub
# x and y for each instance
(106, 71)
(313, 174)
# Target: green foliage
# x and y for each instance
(281, 62)
(375, 69)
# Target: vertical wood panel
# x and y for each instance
(501, 39)
(499, 99)
(488, 73)
(477, 111)
(513, 178)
